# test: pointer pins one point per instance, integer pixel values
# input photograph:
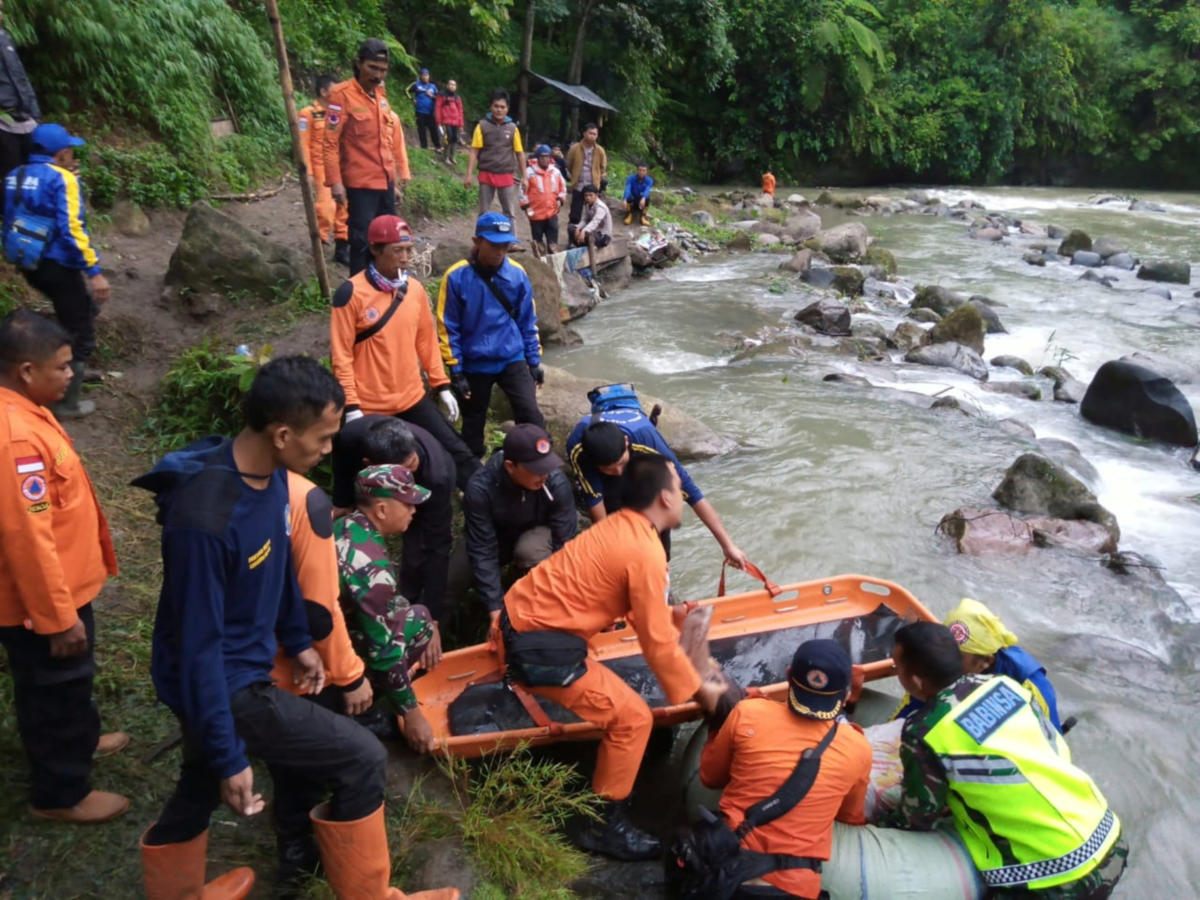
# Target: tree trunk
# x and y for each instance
(575, 70)
(526, 65)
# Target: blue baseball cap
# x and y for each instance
(496, 228)
(424, 71)
(52, 138)
(543, 150)
(818, 679)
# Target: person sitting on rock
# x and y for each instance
(391, 634)
(637, 195)
(599, 449)
(596, 220)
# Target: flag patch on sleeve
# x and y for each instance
(27, 464)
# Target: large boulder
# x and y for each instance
(1087, 258)
(703, 217)
(128, 218)
(950, 356)
(962, 326)
(1139, 401)
(1034, 484)
(563, 402)
(547, 296)
(1165, 270)
(446, 253)
(883, 260)
(803, 224)
(1107, 247)
(991, 320)
(848, 280)
(799, 262)
(908, 335)
(216, 253)
(826, 316)
(1073, 242)
(989, 532)
(845, 243)
(941, 300)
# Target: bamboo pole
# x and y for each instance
(289, 101)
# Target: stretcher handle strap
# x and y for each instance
(755, 572)
(540, 719)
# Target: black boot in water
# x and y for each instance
(614, 835)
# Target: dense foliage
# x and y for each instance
(830, 90)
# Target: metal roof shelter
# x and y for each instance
(579, 92)
(572, 98)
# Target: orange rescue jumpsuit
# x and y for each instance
(55, 548)
(363, 143)
(331, 218)
(753, 754)
(768, 184)
(615, 568)
(314, 558)
(383, 373)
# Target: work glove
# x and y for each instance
(538, 373)
(462, 387)
(352, 414)
(449, 403)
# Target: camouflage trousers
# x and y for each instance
(391, 645)
(1095, 885)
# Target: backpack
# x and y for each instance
(707, 860)
(619, 396)
(28, 235)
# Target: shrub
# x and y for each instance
(438, 197)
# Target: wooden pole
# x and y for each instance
(310, 209)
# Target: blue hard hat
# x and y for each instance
(52, 137)
(543, 150)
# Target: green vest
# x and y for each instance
(1028, 817)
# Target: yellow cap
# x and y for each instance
(977, 629)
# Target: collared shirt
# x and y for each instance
(364, 143)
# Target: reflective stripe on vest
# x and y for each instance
(1026, 814)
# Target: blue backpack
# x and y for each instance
(618, 396)
(28, 235)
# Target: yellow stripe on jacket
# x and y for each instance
(78, 233)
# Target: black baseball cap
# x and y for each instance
(529, 446)
(818, 679)
(373, 49)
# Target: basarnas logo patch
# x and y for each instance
(33, 487)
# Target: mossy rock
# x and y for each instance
(1074, 242)
(1034, 484)
(941, 300)
(881, 258)
(962, 326)
(824, 199)
(848, 280)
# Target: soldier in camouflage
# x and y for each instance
(389, 633)
(980, 751)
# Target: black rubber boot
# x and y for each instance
(615, 836)
(341, 252)
(299, 862)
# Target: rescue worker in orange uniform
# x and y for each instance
(757, 748)
(366, 162)
(384, 344)
(314, 559)
(331, 218)
(55, 556)
(616, 569)
(768, 182)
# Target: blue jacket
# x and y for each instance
(475, 331)
(636, 189)
(423, 95)
(228, 590)
(644, 440)
(54, 192)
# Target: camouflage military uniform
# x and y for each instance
(924, 802)
(388, 632)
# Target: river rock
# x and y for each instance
(1107, 247)
(1121, 261)
(868, 328)
(1034, 484)
(1164, 270)
(1067, 454)
(1055, 232)
(740, 241)
(1016, 427)
(826, 316)
(1169, 368)
(796, 200)
(862, 347)
(848, 281)
(881, 259)
(1013, 362)
(639, 256)
(767, 240)
(923, 314)
(1146, 206)
(1032, 229)
(987, 532)
(950, 402)
(1035, 258)
(799, 262)
(986, 234)
(819, 276)
(1073, 242)
(803, 224)
(764, 201)
(962, 326)
(129, 219)
(1025, 389)
(991, 320)
(845, 243)
(704, 217)
(951, 356)
(1164, 293)
(1139, 401)
(218, 253)
(845, 378)
(1089, 258)
(547, 296)
(941, 300)
(1093, 275)
(908, 335)
(563, 402)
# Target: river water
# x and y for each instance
(837, 478)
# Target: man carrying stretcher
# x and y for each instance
(616, 569)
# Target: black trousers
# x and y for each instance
(451, 139)
(598, 240)
(577, 203)
(14, 151)
(58, 722)
(517, 384)
(546, 229)
(365, 205)
(635, 203)
(427, 124)
(68, 290)
(428, 416)
(425, 563)
(315, 751)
